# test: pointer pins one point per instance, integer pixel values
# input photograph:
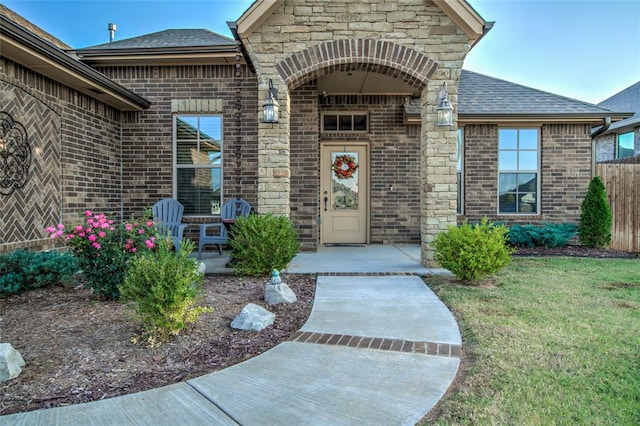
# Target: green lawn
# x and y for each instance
(555, 341)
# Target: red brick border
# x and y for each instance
(384, 57)
(396, 345)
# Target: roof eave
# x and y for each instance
(161, 56)
(465, 17)
(23, 47)
(596, 118)
(253, 17)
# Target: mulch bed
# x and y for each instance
(78, 348)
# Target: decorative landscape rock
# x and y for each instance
(11, 362)
(202, 267)
(278, 292)
(253, 318)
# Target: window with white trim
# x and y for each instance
(518, 167)
(459, 171)
(625, 145)
(198, 163)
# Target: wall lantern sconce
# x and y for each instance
(271, 106)
(445, 109)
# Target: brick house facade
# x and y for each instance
(111, 147)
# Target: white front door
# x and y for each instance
(344, 194)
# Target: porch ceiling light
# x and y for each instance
(271, 106)
(444, 109)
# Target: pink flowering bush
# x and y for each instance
(104, 248)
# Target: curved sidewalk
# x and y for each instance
(378, 349)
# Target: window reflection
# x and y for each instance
(198, 141)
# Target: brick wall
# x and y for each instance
(605, 148)
(148, 135)
(305, 172)
(75, 148)
(565, 172)
(394, 150)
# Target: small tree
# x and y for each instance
(594, 229)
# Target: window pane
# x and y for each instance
(527, 182)
(345, 122)
(187, 128)
(508, 138)
(459, 205)
(187, 152)
(528, 160)
(360, 122)
(459, 150)
(330, 122)
(507, 182)
(625, 145)
(528, 203)
(508, 160)
(199, 190)
(529, 139)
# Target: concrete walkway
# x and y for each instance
(376, 350)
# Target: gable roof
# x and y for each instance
(481, 97)
(625, 100)
(459, 11)
(32, 49)
(169, 47)
(168, 38)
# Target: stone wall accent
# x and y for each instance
(304, 39)
(565, 173)
(75, 165)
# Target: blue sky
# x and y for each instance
(583, 49)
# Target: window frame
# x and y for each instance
(339, 114)
(519, 171)
(460, 171)
(176, 165)
(630, 134)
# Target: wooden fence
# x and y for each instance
(622, 182)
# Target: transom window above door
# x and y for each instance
(345, 121)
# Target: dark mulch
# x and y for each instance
(79, 349)
(575, 251)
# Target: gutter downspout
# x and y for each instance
(604, 128)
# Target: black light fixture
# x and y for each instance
(445, 109)
(271, 106)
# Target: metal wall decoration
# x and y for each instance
(15, 154)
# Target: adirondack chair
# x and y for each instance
(167, 214)
(230, 211)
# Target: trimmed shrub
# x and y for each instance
(474, 251)
(595, 216)
(262, 243)
(162, 287)
(25, 270)
(548, 235)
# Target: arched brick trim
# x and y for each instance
(409, 65)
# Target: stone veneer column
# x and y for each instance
(274, 178)
(438, 189)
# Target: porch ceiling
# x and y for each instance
(358, 82)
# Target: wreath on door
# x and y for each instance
(344, 166)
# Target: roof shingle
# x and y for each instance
(481, 94)
(168, 39)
